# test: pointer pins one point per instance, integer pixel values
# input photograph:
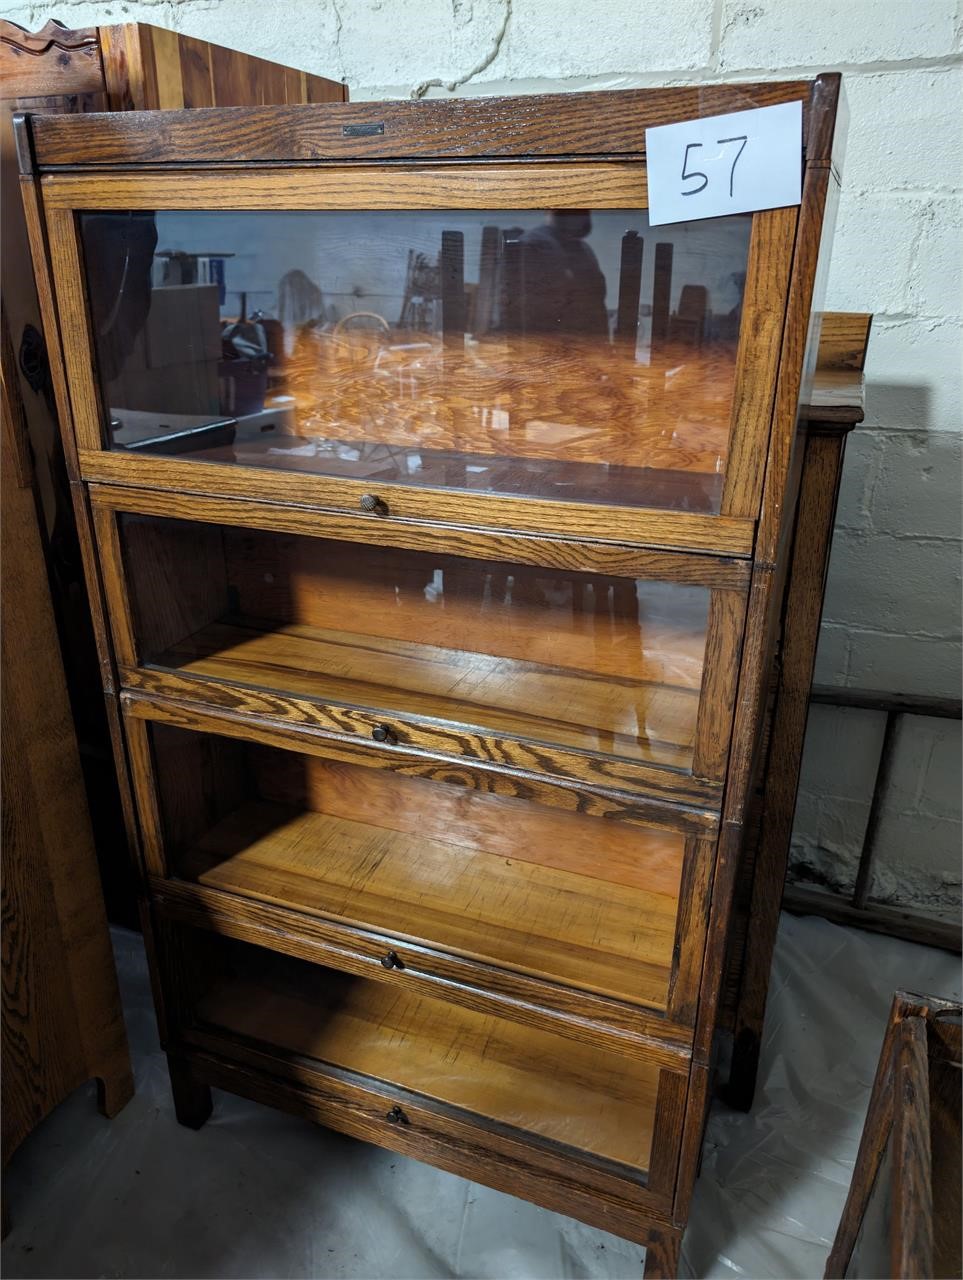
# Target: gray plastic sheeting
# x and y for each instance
(259, 1194)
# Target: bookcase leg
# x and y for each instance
(192, 1100)
(662, 1253)
(740, 1089)
(115, 1089)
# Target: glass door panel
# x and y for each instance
(572, 355)
(572, 660)
(537, 1083)
(589, 902)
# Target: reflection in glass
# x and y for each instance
(567, 354)
(573, 660)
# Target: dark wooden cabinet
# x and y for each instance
(440, 606)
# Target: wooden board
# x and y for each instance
(843, 340)
(502, 695)
(554, 125)
(487, 877)
(62, 1020)
(533, 1081)
(147, 67)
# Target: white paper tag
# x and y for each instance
(735, 163)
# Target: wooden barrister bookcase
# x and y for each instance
(441, 621)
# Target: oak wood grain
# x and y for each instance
(505, 696)
(500, 780)
(541, 125)
(435, 864)
(598, 185)
(62, 1021)
(662, 1249)
(339, 724)
(843, 340)
(54, 60)
(438, 140)
(629, 1030)
(564, 398)
(525, 1080)
(721, 535)
(575, 556)
(720, 675)
(757, 359)
(424, 889)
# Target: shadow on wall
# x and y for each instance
(891, 623)
(891, 619)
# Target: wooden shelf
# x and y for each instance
(503, 886)
(530, 1080)
(636, 720)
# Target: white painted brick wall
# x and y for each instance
(892, 617)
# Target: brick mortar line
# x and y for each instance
(703, 74)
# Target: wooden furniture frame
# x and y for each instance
(557, 152)
(914, 1118)
(833, 408)
(62, 1020)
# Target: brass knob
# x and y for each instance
(373, 504)
(392, 960)
(396, 1116)
(383, 733)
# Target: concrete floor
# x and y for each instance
(259, 1194)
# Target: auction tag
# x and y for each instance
(735, 163)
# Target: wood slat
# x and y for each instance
(533, 186)
(757, 360)
(719, 535)
(548, 125)
(338, 724)
(843, 340)
(502, 779)
(552, 553)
